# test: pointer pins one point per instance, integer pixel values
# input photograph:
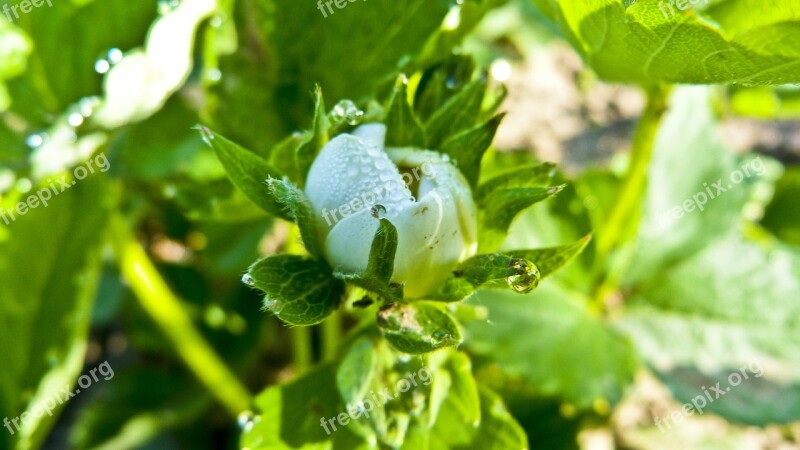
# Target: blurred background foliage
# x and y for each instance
(631, 330)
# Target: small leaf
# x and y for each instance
(308, 151)
(247, 171)
(403, 128)
(418, 327)
(299, 291)
(467, 148)
(301, 212)
(437, 83)
(458, 114)
(520, 274)
(357, 371)
(530, 176)
(377, 276)
(283, 155)
(550, 259)
(501, 208)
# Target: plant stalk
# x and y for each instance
(161, 304)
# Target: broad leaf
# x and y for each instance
(501, 207)
(652, 41)
(458, 114)
(44, 341)
(467, 148)
(418, 327)
(299, 291)
(300, 210)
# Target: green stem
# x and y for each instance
(331, 333)
(165, 309)
(301, 348)
(624, 218)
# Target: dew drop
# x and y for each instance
(347, 111)
(352, 171)
(248, 280)
(101, 66)
(215, 21)
(167, 6)
(273, 305)
(114, 56)
(207, 135)
(451, 82)
(75, 119)
(526, 278)
(213, 74)
(440, 335)
(378, 211)
(35, 141)
(246, 420)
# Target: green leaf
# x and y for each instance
(497, 428)
(418, 327)
(782, 216)
(561, 339)
(441, 82)
(377, 276)
(357, 371)
(550, 259)
(654, 41)
(308, 151)
(501, 207)
(529, 176)
(732, 305)
(454, 393)
(291, 416)
(299, 291)
(68, 42)
(520, 274)
(247, 171)
(300, 210)
(467, 148)
(47, 300)
(403, 128)
(458, 114)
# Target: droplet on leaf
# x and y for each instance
(248, 280)
(526, 277)
(347, 111)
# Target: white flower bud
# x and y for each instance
(425, 197)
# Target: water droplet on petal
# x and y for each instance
(248, 280)
(347, 111)
(352, 171)
(167, 6)
(114, 56)
(378, 211)
(526, 278)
